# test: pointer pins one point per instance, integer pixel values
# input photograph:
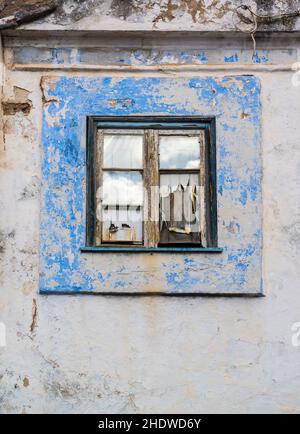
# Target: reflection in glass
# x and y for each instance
(122, 188)
(179, 152)
(123, 151)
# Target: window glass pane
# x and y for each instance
(179, 208)
(179, 152)
(122, 188)
(123, 151)
(122, 224)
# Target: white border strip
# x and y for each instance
(155, 68)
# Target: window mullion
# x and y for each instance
(203, 189)
(151, 184)
(99, 182)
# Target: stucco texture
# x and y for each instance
(74, 353)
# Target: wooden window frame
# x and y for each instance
(95, 127)
(100, 170)
(200, 172)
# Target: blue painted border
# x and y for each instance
(235, 104)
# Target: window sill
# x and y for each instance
(118, 249)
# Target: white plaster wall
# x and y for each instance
(150, 354)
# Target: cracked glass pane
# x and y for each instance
(179, 207)
(122, 224)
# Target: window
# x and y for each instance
(151, 183)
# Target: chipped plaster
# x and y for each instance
(166, 15)
(151, 354)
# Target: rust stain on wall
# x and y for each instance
(167, 13)
(199, 10)
(25, 381)
(34, 316)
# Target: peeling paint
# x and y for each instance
(239, 178)
(152, 354)
(207, 15)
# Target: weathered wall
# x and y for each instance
(178, 15)
(234, 102)
(151, 354)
